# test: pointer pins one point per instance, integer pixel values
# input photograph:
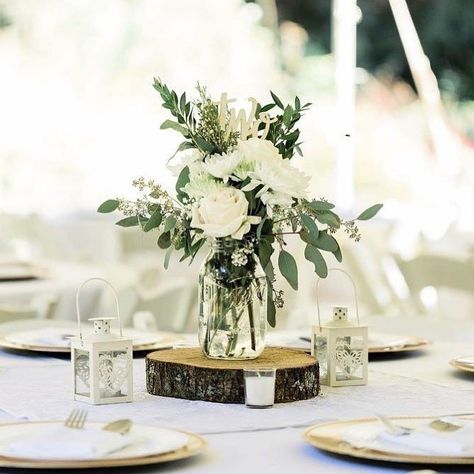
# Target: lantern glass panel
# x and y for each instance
(113, 374)
(349, 358)
(81, 372)
(321, 354)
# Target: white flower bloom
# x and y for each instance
(202, 184)
(192, 158)
(258, 150)
(222, 166)
(223, 213)
(281, 183)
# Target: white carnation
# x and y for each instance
(201, 185)
(222, 166)
(280, 181)
(192, 158)
(258, 150)
(253, 151)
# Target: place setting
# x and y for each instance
(464, 363)
(79, 443)
(54, 336)
(20, 270)
(446, 440)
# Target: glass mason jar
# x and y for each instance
(232, 301)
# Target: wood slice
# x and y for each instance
(187, 373)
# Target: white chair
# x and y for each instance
(16, 313)
(438, 272)
(172, 305)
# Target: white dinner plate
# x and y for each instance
(333, 437)
(18, 271)
(151, 445)
(383, 343)
(465, 363)
(53, 336)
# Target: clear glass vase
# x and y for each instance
(232, 302)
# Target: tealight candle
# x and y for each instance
(259, 387)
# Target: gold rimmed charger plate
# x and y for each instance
(166, 340)
(327, 437)
(195, 445)
(465, 366)
(413, 344)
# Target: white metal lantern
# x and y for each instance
(102, 362)
(340, 346)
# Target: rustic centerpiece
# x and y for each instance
(186, 373)
(236, 188)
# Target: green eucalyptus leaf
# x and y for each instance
(320, 205)
(265, 250)
(270, 271)
(338, 254)
(205, 146)
(170, 223)
(370, 212)
(329, 218)
(313, 255)
(260, 227)
(128, 221)
(164, 241)
(183, 180)
(310, 226)
(271, 309)
(174, 126)
(108, 206)
(288, 268)
(154, 220)
(326, 242)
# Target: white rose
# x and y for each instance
(223, 213)
(258, 150)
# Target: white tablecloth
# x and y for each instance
(244, 440)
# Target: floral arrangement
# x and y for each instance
(236, 180)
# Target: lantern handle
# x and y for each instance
(353, 286)
(78, 312)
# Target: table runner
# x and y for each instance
(46, 393)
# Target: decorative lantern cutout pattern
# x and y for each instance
(102, 362)
(340, 346)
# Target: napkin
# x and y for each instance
(66, 443)
(423, 440)
(440, 443)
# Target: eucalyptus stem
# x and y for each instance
(252, 325)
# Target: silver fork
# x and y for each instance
(394, 429)
(76, 419)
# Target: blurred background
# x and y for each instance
(80, 119)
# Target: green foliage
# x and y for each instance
(288, 268)
(108, 206)
(370, 212)
(128, 221)
(313, 255)
(282, 133)
(154, 220)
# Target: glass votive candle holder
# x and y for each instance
(259, 387)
